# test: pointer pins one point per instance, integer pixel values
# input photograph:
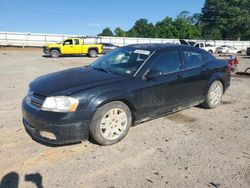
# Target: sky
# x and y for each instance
(86, 17)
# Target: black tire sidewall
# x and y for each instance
(95, 131)
(54, 51)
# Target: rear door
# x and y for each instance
(196, 75)
(77, 46)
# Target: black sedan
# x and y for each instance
(125, 87)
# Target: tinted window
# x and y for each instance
(193, 59)
(68, 42)
(167, 62)
(76, 41)
(208, 57)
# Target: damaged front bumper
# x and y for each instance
(54, 128)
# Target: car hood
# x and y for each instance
(71, 81)
(51, 45)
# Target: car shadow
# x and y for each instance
(12, 180)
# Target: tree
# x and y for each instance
(165, 28)
(119, 32)
(230, 18)
(185, 29)
(106, 32)
(142, 28)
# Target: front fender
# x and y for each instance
(109, 96)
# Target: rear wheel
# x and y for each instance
(92, 53)
(111, 123)
(54, 53)
(214, 95)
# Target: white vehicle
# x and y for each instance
(227, 50)
(208, 47)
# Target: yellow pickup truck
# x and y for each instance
(72, 46)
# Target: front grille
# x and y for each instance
(35, 99)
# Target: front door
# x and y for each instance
(68, 47)
(195, 75)
(163, 93)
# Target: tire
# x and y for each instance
(92, 53)
(111, 123)
(214, 95)
(210, 51)
(54, 53)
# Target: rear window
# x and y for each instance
(193, 59)
(76, 41)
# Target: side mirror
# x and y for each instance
(153, 73)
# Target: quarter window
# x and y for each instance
(193, 59)
(167, 62)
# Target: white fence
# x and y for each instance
(40, 39)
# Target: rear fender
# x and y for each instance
(216, 76)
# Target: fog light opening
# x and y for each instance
(49, 135)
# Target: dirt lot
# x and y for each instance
(192, 148)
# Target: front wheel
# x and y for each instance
(54, 53)
(111, 123)
(214, 95)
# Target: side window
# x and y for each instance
(68, 42)
(76, 41)
(167, 62)
(201, 45)
(193, 59)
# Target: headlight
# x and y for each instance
(60, 104)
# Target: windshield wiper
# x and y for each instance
(102, 69)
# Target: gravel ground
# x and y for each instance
(191, 148)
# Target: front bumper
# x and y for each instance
(45, 50)
(61, 128)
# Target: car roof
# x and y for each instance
(161, 46)
(153, 46)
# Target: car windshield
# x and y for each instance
(191, 43)
(122, 61)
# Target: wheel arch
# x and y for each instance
(214, 77)
(93, 48)
(55, 48)
(108, 97)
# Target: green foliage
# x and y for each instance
(106, 32)
(119, 32)
(142, 29)
(226, 19)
